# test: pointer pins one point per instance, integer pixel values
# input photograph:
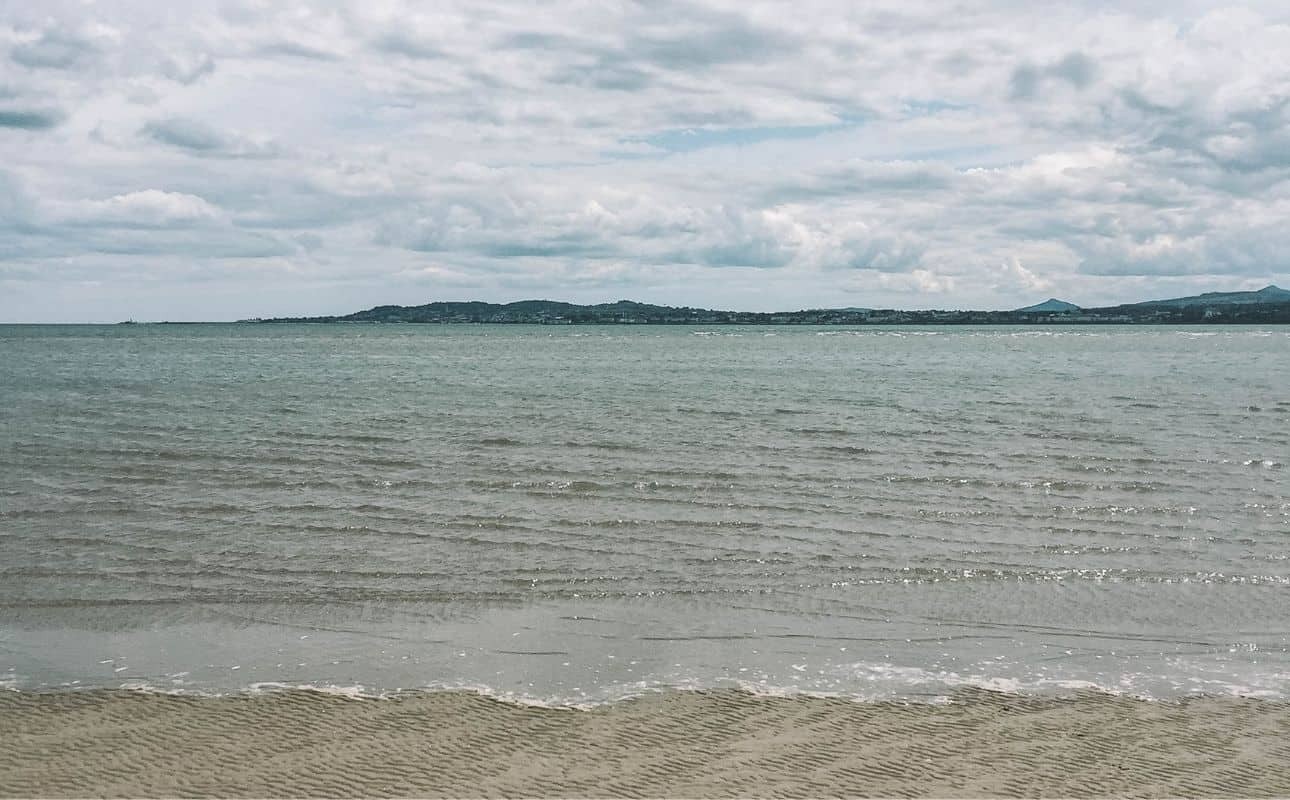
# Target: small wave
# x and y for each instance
(865, 683)
(715, 412)
(848, 450)
(1265, 463)
(562, 486)
(598, 445)
(822, 431)
(500, 441)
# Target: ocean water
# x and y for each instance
(573, 515)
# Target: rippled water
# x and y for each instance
(572, 514)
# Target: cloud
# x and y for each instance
(1025, 82)
(401, 43)
(1252, 246)
(292, 49)
(620, 225)
(188, 70)
(30, 119)
(700, 151)
(855, 178)
(15, 204)
(1013, 274)
(702, 39)
(54, 49)
(201, 139)
(149, 208)
(1075, 70)
(195, 245)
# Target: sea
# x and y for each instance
(574, 515)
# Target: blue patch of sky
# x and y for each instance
(927, 108)
(685, 140)
(688, 139)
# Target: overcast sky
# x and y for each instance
(219, 160)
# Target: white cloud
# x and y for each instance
(1013, 275)
(146, 208)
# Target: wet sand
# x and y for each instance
(709, 744)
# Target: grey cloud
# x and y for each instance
(52, 240)
(1028, 80)
(1133, 99)
(19, 272)
(31, 120)
(879, 252)
(858, 178)
(534, 40)
(748, 251)
(1076, 69)
(201, 139)
(1024, 82)
(403, 44)
(188, 72)
(1253, 141)
(61, 242)
(293, 208)
(629, 227)
(309, 241)
(1057, 225)
(229, 243)
(696, 40)
(187, 134)
(53, 50)
(1191, 140)
(606, 73)
(458, 228)
(707, 39)
(571, 245)
(297, 50)
(15, 204)
(1252, 251)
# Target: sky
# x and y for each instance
(226, 159)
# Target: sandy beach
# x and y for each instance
(709, 744)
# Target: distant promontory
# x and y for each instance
(1270, 305)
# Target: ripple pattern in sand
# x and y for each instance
(678, 744)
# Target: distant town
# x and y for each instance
(1267, 306)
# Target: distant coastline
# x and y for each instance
(1267, 306)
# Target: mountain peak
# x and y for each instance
(1051, 305)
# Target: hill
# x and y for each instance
(1268, 294)
(1270, 305)
(1050, 306)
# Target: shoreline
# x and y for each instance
(948, 694)
(675, 743)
